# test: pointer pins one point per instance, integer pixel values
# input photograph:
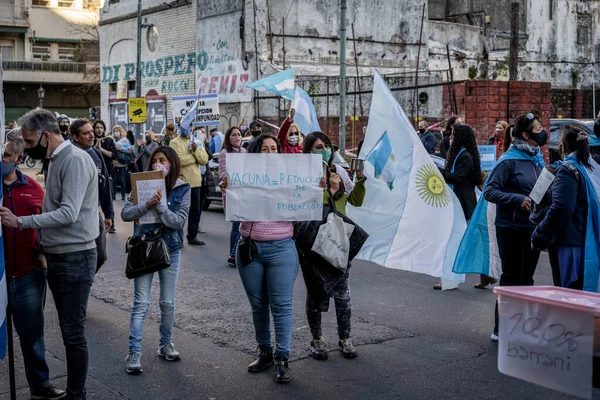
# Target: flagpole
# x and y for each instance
(342, 127)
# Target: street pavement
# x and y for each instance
(413, 342)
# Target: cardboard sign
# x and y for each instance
(137, 110)
(143, 186)
(541, 186)
(488, 157)
(274, 187)
(207, 113)
(546, 344)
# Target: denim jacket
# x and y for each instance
(173, 217)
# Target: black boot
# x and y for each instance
(282, 371)
(264, 360)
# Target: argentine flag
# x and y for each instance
(306, 116)
(414, 219)
(383, 160)
(189, 117)
(281, 83)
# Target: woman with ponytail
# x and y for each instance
(508, 187)
(574, 202)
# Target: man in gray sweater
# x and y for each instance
(69, 228)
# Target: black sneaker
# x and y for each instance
(112, 229)
(318, 351)
(264, 361)
(196, 241)
(48, 392)
(282, 371)
(347, 348)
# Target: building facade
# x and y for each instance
(50, 45)
(168, 59)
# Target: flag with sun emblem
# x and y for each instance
(414, 219)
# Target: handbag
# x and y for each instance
(332, 242)
(146, 254)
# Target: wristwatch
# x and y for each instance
(19, 223)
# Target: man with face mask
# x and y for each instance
(427, 138)
(26, 269)
(63, 124)
(83, 137)
(216, 143)
(69, 228)
(191, 157)
(255, 131)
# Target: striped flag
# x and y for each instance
(414, 219)
(281, 83)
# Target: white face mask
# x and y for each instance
(293, 140)
(117, 134)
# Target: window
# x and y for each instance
(45, 3)
(66, 51)
(42, 51)
(7, 52)
(584, 29)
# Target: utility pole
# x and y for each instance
(138, 67)
(342, 134)
(514, 42)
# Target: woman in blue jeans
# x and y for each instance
(232, 144)
(172, 220)
(267, 261)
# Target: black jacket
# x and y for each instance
(104, 186)
(510, 182)
(461, 178)
(445, 146)
(566, 221)
(108, 144)
(428, 140)
(597, 128)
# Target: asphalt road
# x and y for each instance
(413, 342)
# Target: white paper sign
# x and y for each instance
(145, 190)
(548, 345)
(274, 187)
(207, 113)
(541, 186)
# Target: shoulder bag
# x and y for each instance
(146, 254)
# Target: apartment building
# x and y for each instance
(50, 55)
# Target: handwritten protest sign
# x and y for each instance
(144, 185)
(546, 343)
(541, 186)
(274, 187)
(488, 157)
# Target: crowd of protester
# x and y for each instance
(58, 236)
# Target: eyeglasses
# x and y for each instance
(293, 133)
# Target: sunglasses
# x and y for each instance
(293, 133)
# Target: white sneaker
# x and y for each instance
(494, 337)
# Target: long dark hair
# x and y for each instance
(256, 146)
(464, 136)
(449, 124)
(310, 140)
(575, 140)
(523, 124)
(174, 170)
(227, 144)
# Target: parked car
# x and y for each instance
(556, 127)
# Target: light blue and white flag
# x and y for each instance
(478, 251)
(189, 116)
(306, 116)
(415, 220)
(383, 160)
(281, 83)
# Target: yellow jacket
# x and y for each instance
(190, 161)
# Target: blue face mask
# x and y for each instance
(8, 169)
(184, 132)
(326, 154)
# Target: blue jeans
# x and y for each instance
(234, 237)
(269, 283)
(27, 297)
(70, 277)
(120, 175)
(141, 302)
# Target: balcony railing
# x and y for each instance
(49, 66)
(11, 13)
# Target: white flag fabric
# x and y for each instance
(415, 222)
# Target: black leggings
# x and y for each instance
(343, 309)
(519, 260)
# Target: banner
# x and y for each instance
(274, 187)
(181, 104)
(207, 113)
